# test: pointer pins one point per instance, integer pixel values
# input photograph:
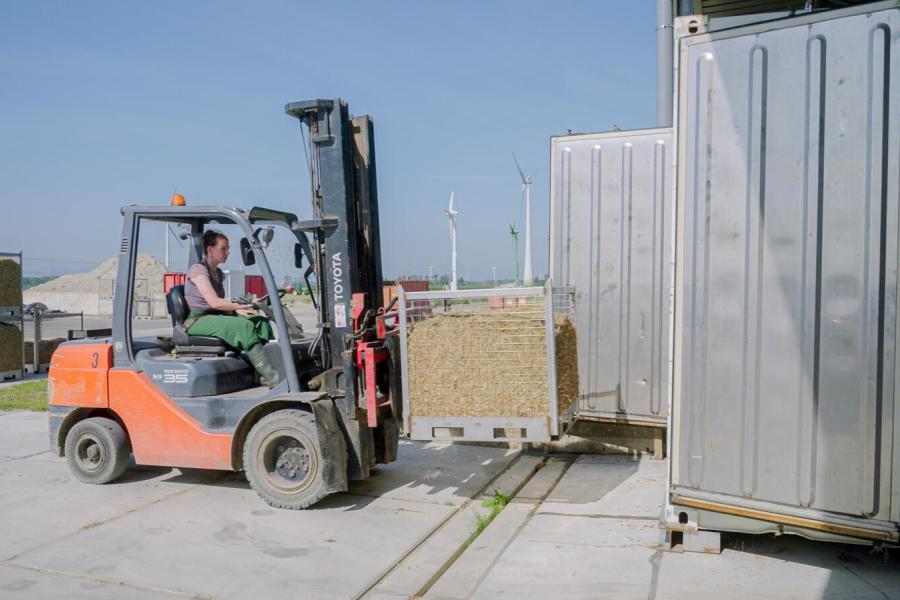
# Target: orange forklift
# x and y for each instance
(192, 401)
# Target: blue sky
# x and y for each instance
(113, 103)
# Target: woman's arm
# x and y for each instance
(204, 286)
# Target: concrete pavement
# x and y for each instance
(597, 535)
(577, 527)
(167, 532)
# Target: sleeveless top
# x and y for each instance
(192, 295)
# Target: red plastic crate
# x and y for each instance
(254, 284)
(170, 280)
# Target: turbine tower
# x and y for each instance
(451, 218)
(515, 235)
(527, 275)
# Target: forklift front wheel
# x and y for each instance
(283, 460)
(97, 450)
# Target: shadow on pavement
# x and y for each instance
(457, 471)
(848, 563)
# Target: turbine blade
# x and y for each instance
(521, 174)
(451, 202)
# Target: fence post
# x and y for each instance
(36, 354)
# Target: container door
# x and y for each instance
(611, 239)
(789, 164)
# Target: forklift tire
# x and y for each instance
(283, 460)
(97, 450)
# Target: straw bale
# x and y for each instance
(10, 282)
(566, 362)
(45, 350)
(487, 363)
(10, 348)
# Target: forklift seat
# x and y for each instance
(190, 345)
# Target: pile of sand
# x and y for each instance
(489, 363)
(148, 278)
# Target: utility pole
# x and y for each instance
(166, 234)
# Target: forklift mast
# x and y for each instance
(341, 158)
(340, 154)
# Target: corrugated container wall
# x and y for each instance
(610, 238)
(789, 166)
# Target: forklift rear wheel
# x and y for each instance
(283, 461)
(97, 450)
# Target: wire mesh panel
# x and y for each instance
(54, 325)
(106, 291)
(45, 331)
(480, 365)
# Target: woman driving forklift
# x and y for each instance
(211, 314)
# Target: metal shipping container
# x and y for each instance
(785, 403)
(611, 238)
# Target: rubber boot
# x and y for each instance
(267, 373)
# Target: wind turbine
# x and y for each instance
(451, 218)
(527, 275)
(515, 234)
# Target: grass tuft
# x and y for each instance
(495, 503)
(31, 395)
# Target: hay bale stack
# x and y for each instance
(482, 364)
(10, 348)
(45, 350)
(10, 282)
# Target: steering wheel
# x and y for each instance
(281, 292)
(264, 304)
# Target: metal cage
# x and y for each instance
(480, 365)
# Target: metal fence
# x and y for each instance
(44, 331)
(479, 365)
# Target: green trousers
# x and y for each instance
(235, 330)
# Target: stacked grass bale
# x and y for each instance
(10, 282)
(10, 347)
(482, 363)
(10, 331)
(45, 350)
